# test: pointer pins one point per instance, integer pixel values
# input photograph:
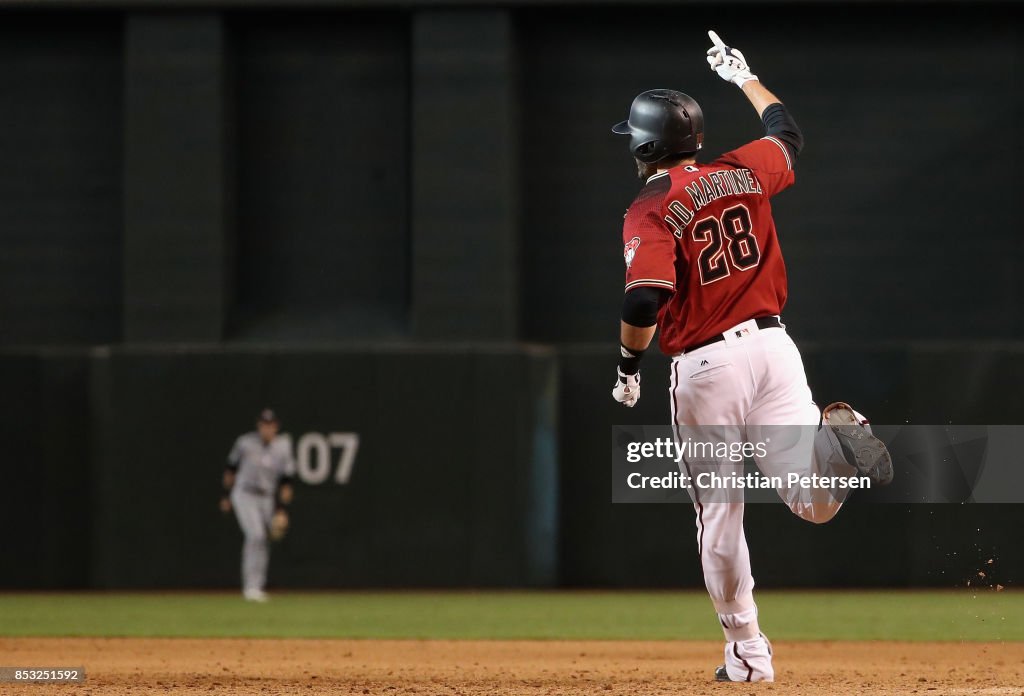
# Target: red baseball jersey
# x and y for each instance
(705, 232)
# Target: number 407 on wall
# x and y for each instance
(313, 457)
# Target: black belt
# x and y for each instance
(255, 490)
(771, 322)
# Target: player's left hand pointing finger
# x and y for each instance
(717, 41)
(729, 63)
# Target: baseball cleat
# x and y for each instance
(255, 596)
(861, 449)
(750, 660)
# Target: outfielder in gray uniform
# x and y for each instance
(258, 486)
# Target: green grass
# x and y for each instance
(944, 615)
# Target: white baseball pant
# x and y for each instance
(753, 379)
(254, 513)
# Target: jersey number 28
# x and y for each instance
(730, 236)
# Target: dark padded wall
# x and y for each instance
(455, 490)
(902, 223)
(47, 515)
(116, 459)
(322, 111)
(60, 183)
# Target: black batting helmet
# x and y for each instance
(663, 122)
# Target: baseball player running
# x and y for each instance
(258, 486)
(703, 265)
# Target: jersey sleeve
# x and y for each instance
(649, 245)
(769, 160)
(289, 458)
(235, 455)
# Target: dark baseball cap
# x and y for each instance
(267, 415)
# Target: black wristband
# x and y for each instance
(629, 360)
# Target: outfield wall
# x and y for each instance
(475, 467)
(363, 211)
(440, 466)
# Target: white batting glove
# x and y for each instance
(627, 389)
(728, 62)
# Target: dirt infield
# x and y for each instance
(465, 668)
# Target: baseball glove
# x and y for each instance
(278, 525)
